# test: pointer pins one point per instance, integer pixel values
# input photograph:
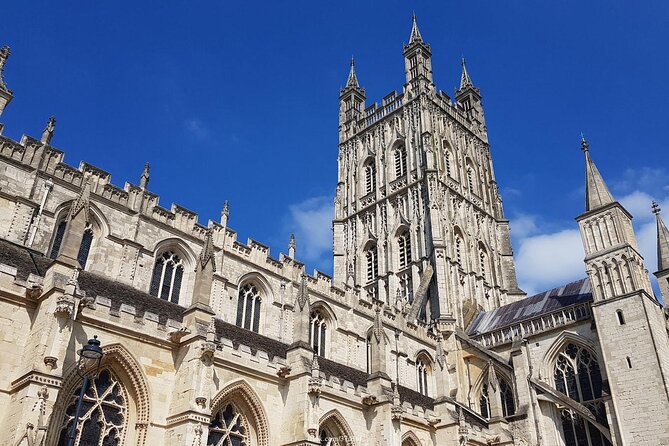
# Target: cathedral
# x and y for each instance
(125, 323)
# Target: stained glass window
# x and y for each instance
(85, 247)
(248, 307)
(103, 417)
(229, 428)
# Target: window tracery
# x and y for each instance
(578, 376)
(229, 427)
(103, 418)
(248, 307)
(404, 243)
(167, 277)
(422, 373)
(85, 247)
(317, 333)
(372, 264)
(370, 177)
(400, 162)
(58, 239)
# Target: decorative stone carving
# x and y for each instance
(50, 362)
(176, 335)
(283, 372)
(207, 350)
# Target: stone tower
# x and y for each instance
(629, 320)
(662, 273)
(418, 217)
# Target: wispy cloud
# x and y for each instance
(311, 221)
(550, 258)
(196, 128)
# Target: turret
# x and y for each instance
(351, 105)
(468, 97)
(6, 95)
(417, 60)
(662, 273)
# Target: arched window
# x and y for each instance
(423, 371)
(483, 262)
(167, 276)
(400, 162)
(404, 242)
(406, 286)
(104, 415)
(470, 179)
(447, 162)
(370, 177)
(372, 264)
(327, 439)
(506, 395)
(229, 427)
(85, 247)
(368, 344)
(317, 332)
(58, 239)
(577, 375)
(248, 307)
(484, 402)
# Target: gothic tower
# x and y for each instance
(630, 321)
(418, 217)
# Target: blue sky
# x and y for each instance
(238, 101)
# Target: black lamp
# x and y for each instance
(88, 365)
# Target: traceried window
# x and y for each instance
(577, 375)
(370, 177)
(447, 163)
(484, 402)
(317, 332)
(248, 307)
(506, 399)
(372, 264)
(85, 247)
(458, 248)
(229, 428)
(58, 239)
(404, 242)
(400, 162)
(328, 439)
(483, 263)
(470, 179)
(104, 413)
(167, 276)
(422, 374)
(406, 287)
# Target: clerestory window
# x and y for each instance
(318, 332)
(248, 307)
(167, 277)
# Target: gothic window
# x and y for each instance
(422, 374)
(577, 375)
(104, 413)
(370, 177)
(458, 248)
(328, 439)
(248, 307)
(317, 332)
(372, 263)
(484, 402)
(58, 239)
(506, 395)
(404, 242)
(85, 246)
(406, 287)
(369, 351)
(447, 163)
(400, 162)
(229, 427)
(167, 276)
(483, 262)
(470, 179)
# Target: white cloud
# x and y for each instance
(545, 261)
(311, 221)
(196, 128)
(523, 226)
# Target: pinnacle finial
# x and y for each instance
(415, 33)
(291, 246)
(4, 55)
(465, 79)
(47, 134)
(655, 207)
(584, 144)
(225, 213)
(352, 80)
(144, 178)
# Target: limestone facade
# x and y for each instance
(421, 337)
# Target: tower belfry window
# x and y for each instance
(248, 307)
(470, 179)
(372, 264)
(370, 178)
(167, 276)
(400, 162)
(404, 244)
(447, 163)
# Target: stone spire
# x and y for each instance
(144, 179)
(597, 194)
(465, 80)
(662, 240)
(415, 32)
(4, 55)
(352, 80)
(291, 246)
(47, 134)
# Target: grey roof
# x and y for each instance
(531, 307)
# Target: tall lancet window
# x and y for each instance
(58, 239)
(447, 163)
(577, 375)
(483, 262)
(459, 246)
(404, 244)
(422, 374)
(400, 162)
(370, 177)
(470, 179)
(248, 307)
(372, 263)
(104, 413)
(318, 332)
(85, 247)
(484, 402)
(167, 276)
